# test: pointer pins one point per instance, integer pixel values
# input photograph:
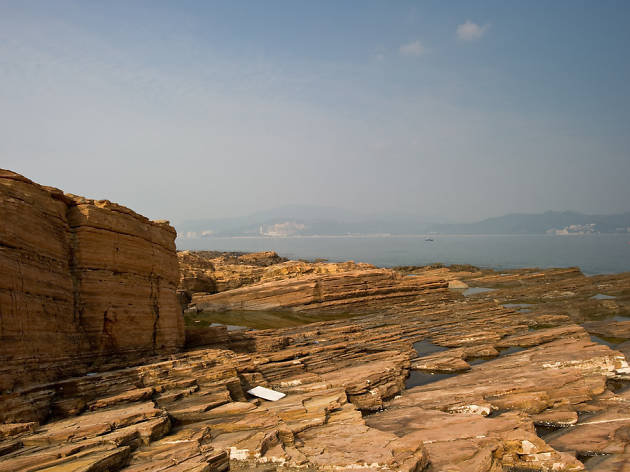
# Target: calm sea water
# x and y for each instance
(594, 254)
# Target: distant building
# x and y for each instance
(288, 228)
(588, 228)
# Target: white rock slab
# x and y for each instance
(266, 393)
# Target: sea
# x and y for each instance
(592, 253)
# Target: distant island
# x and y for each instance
(294, 221)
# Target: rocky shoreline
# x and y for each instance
(412, 369)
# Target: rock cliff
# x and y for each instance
(83, 283)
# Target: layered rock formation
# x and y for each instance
(601, 303)
(350, 290)
(212, 272)
(350, 402)
(82, 283)
(413, 376)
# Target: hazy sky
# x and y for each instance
(191, 109)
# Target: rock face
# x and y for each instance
(82, 283)
(349, 290)
(212, 272)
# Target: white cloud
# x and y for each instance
(470, 31)
(414, 48)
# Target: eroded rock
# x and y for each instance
(82, 282)
(510, 369)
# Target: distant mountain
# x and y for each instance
(324, 221)
(550, 222)
(301, 221)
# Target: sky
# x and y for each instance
(450, 111)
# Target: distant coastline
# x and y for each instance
(305, 222)
(385, 235)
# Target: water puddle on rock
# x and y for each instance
(476, 290)
(419, 377)
(607, 341)
(591, 461)
(601, 296)
(618, 385)
(544, 431)
(480, 360)
(263, 319)
(538, 327)
(510, 350)
(229, 327)
(424, 348)
(520, 307)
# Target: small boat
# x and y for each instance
(428, 239)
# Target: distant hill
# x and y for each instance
(551, 222)
(323, 221)
(301, 221)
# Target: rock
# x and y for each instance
(610, 329)
(556, 418)
(369, 384)
(330, 371)
(471, 442)
(457, 284)
(182, 452)
(184, 298)
(92, 424)
(513, 382)
(318, 292)
(552, 295)
(15, 429)
(81, 281)
(441, 364)
(204, 336)
(146, 406)
(125, 397)
(606, 433)
(213, 271)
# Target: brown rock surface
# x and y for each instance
(332, 372)
(81, 282)
(314, 426)
(348, 290)
(421, 378)
(213, 271)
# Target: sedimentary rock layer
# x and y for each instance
(211, 271)
(421, 378)
(346, 406)
(82, 282)
(348, 290)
